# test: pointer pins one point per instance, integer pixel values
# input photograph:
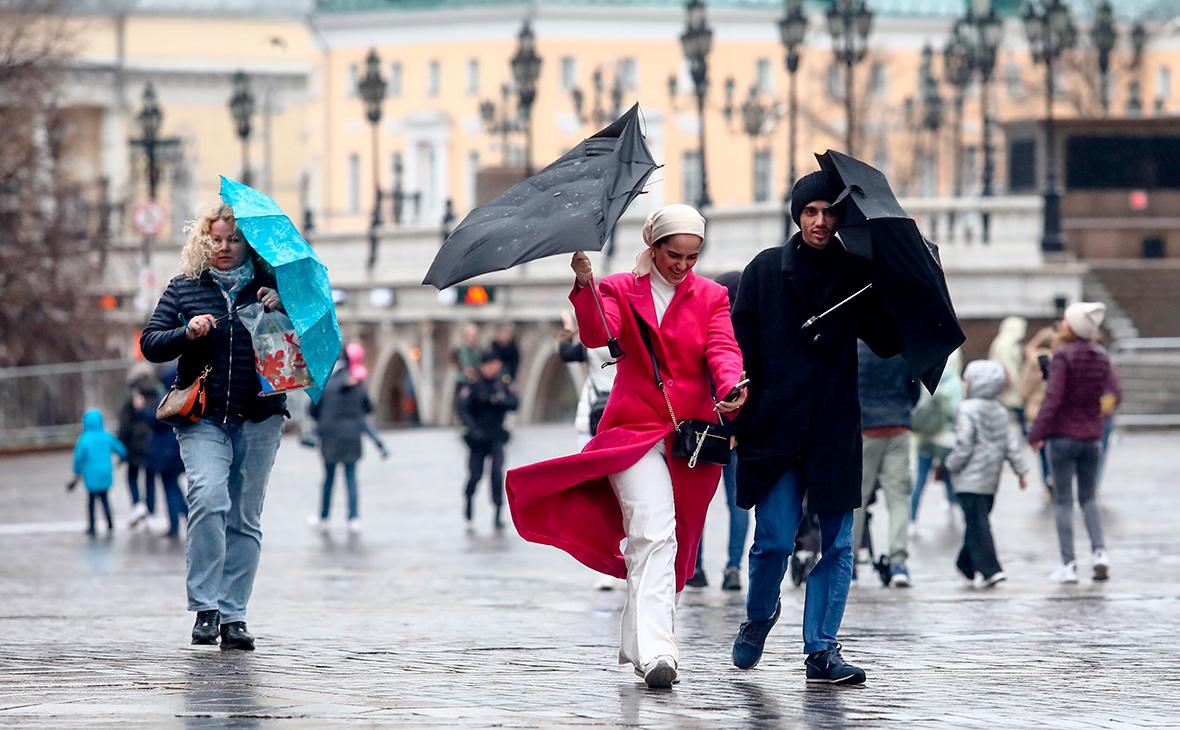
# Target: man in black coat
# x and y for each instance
(799, 433)
(482, 408)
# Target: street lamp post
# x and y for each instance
(599, 115)
(980, 32)
(849, 24)
(697, 42)
(372, 88)
(1051, 32)
(151, 119)
(526, 68)
(932, 106)
(792, 27)
(241, 108)
(957, 69)
(1103, 35)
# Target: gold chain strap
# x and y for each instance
(667, 400)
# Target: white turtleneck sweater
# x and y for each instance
(661, 294)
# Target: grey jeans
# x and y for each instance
(887, 460)
(1068, 457)
(228, 469)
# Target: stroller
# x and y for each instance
(807, 546)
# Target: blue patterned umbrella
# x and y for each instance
(302, 278)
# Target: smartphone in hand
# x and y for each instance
(736, 391)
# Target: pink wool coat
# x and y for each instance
(568, 502)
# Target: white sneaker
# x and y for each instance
(660, 673)
(316, 523)
(1067, 573)
(1101, 565)
(997, 577)
(354, 526)
(139, 513)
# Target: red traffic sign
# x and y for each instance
(148, 218)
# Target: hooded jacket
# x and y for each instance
(984, 436)
(93, 451)
(1007, 349)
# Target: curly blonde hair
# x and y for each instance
(198, 249)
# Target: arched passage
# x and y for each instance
(556, 396)
(397, 400)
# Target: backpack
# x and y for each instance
(930, 416)
(597, 407)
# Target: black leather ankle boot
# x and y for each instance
(235, 636)
(205, 628)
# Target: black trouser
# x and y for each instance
(978, 554)
(133, 481)
(106, 508)
(479, 452)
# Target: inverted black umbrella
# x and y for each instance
(906, 271)
(571, 205)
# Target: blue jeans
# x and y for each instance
(777, 517)
(925, 462)
(349, 482)
(228, 469)
(739, 519)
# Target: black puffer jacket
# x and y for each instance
(233, 385)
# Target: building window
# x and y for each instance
(762, 75)
(762, 175)
(969, 172)
(472, 179)
(395, 79)
(878, 80)
(432, 78)
(569, 73)
(629, 74)
(835, 82)
(473, 76)
(1013, 80)
(353, 80)
(690, 188)
(354, 183)
(1163, 83)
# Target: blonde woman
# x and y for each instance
(229, 453)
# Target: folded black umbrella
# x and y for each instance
(906, 271)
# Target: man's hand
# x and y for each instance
(582, 269)
(138, 401)
(269, 298)
(1023, 481)
(199, 326)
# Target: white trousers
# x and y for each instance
(644, 492)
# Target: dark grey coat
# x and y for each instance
(803, 410)
(341, 414)
(888, 390)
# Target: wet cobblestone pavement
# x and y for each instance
(417, 622)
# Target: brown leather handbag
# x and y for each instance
(182, 406)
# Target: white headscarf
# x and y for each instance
(663, 222)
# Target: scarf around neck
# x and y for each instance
(235, 280)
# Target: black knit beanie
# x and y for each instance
(818, 185)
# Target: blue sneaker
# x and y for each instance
(751, 637)
(828, 667)
(899, 576)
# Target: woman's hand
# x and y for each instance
(199, 326)
(582, 268)
(269, 298)
(731, 406)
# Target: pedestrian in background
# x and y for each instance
(1008, 350)
(933, 423)
(342, 419)
(505, 348)
(1038, 355)
(92, 464)
(888, 392)
(984, 439)
(228, 454)
(134, 431)
(483, 406)
(627, 482)
(1070, 424)
(162, 459)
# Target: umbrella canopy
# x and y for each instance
(302, 278)
(571, 205)
(906, 271)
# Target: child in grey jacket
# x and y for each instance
(984, 439)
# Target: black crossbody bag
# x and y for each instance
(694, 440)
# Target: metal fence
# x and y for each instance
(1149, 371)
(42, 405)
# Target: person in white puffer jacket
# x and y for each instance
(984, 440)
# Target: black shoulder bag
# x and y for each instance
(694, 440)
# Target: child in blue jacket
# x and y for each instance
(92, 462)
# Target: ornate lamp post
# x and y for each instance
(980, 32)
(599, 115)
(697, 41)
(372, 87)
(241, 108)
(932, 105)
(1103, 35)
(526, 68)
(849, 24)
(1051, 32)
(792, 27)
(957, 68)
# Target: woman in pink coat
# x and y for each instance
(624, 483)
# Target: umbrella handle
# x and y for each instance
(612, 343)
(814, 320)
